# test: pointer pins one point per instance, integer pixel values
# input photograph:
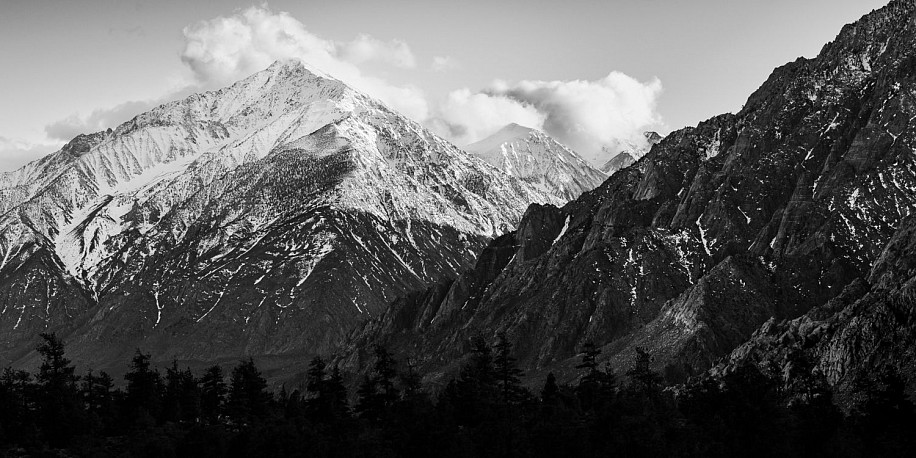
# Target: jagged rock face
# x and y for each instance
(266, 218)
(538, 159)
(871, 324)
(762, 214)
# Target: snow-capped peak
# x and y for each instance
(537, 158)
(162, 160)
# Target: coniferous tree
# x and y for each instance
(17, 392)
(336, 392)
(368, 402)
(327, 395)
(643, 379)
(385, 373)
(99, 399)
(507, 372)
(249, 399)
(212, 393)
(377, 393)
(596, 386)
(181, 399)
(412, 383)
(143, 398)
(59, 405)
(474, 393)
(318, 403)
(551, 391)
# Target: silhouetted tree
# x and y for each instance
(248, 397)
(596, 387)
(17, 422)
(327, 395)
(212, 393)
(143, 397)
(377, 393)
(181, 400)
(643, 379)
(59, 405)
(507, 372)
(99, 399)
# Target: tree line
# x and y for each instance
(485, 411)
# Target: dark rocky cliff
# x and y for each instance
(745, 220)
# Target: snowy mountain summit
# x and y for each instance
(264, 218)
(536, 158)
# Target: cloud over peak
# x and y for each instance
(223, 50)
(592, 117)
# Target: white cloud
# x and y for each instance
(466, 117)
(366, 49)
(443, 63)
(590, 115)
(586, 115)
(223, 50)
(15, 153)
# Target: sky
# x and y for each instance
(591, 73)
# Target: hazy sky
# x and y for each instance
(585, 71)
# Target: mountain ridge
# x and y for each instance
(765, 214)
(204, 228)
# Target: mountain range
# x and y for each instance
(289, 215)
(778, 233)
(267, 218)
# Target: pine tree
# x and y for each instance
(474, 396)
(143, 398)
(411, 382)
(385, 373)
(368, 402)
(182, 395)
(551, 391)
(326, 394)
(336, 392)
(378, 393)
(17, 422)
(249, 399)
(507, 372)
(315, 377)
(98, 397)
(643, 379)
(212, 393)
(60, 408)
(596, 387)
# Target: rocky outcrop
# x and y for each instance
(870, 325)
(744, 220)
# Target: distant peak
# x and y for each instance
(507, 134)
(517, 129)
(295, 66)
(290, 62)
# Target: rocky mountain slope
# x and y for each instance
(266, 218)
(853, 337)
(744, 220)
(538, 159)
